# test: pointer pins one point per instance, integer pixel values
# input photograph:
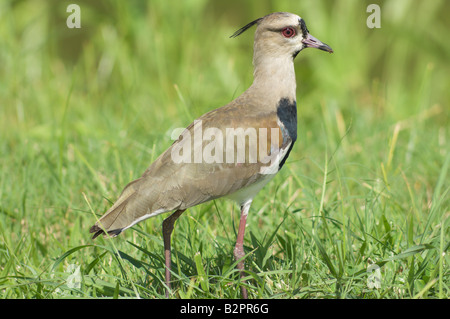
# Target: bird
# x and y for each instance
(229, 152)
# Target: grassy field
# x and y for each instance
(360, 210)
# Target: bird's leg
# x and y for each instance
(239, 248)
(167, 228)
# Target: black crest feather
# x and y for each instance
(245, 28)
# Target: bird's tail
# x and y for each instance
(116, 219)
(112, 222)
(98, 231)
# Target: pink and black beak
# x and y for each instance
(312, 42)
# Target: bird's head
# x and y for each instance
(281, 34)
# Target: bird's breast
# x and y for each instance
(287, 117)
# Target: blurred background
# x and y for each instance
(85, 110)
(141, 57)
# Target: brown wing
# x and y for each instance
(172, 183)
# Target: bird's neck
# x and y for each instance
(274, 78)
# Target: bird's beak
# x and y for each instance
(311, 42)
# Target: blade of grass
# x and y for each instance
(90, 168)
(202, 278)
(425, 289)
(115, 252)
(68, 253)
(437, 199)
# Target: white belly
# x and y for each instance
(248, 193)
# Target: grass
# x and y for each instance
(82, 112)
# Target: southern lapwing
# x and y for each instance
(232, 151)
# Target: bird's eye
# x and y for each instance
(288, 32)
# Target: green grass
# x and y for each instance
(83, 112)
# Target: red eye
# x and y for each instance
(288, 32)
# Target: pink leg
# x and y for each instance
(239, 248)
(167, 227)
